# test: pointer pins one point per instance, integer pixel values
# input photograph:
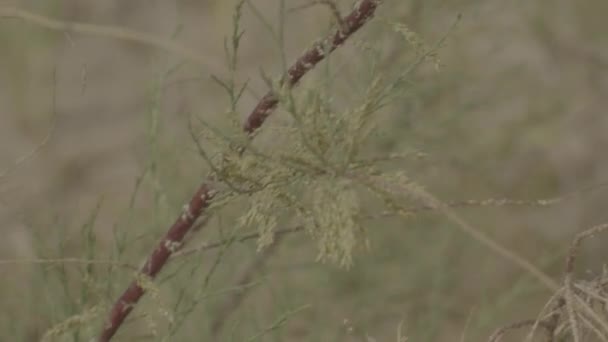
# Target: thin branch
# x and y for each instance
(364, 11)
(208, 246)
(489, 202)
(553, 319)
(244, 278)
(329, 3)
(570, 299)
(31, 154)
(64, 261)
(115, 32)
(375, 183)
(495, 246)
(573, 253)
(278, 322)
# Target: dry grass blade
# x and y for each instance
(36, 150)
(577, 307)
(499, 333)
(570, 298)
(431, 201)
(573, 311)
(114, 32)
(63, 261)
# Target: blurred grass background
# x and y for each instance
(517, 111)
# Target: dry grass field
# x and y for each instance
(97, 160)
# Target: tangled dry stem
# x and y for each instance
(579, 308)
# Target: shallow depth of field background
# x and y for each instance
(517, 110)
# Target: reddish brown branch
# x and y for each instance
(201, 199)
(351, 23)
(157, 259)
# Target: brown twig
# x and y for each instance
(364, 11)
